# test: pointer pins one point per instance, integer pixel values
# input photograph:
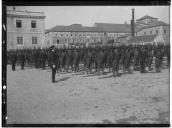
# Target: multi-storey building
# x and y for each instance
(25, 29)
(153, 29)
(76, 33)
(146, 29)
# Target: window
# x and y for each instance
(18, 24)
(19, 40)
(33, 24)
(34, 40)
(144, 33)
(61, 34)
(71, 34)
(164, 31)
(156, 31)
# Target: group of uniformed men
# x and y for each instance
(96, 58)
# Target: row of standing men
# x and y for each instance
(97, 58)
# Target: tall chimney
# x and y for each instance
(132, 23)
(133, 14)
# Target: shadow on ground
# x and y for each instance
(63, 79)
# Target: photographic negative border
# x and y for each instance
(62, 3)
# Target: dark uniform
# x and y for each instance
(150, 59)
(115, 62)
(22, 60)
(13, 60)
(76, 60)
(157, 60)
(88, 61)
(53, 66)
(43, 59)
(142, 60)
(110, 59)
(100, 59)
(136, 57)
(168, 56)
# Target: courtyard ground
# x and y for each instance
(77, 98)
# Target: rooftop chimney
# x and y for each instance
(132, 23)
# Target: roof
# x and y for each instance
(99, 27)
(74, 28)
(146, 17)
(137, 39)
(120, 28)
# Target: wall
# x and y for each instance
(160, 30)
(79, 37)
(26, 32)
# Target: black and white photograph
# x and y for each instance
(88, 64)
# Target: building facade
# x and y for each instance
(154, 27)
(78, 34)
(25, 29)
(148, 30)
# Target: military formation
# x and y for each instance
(95, 59)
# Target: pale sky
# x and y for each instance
(88, 15)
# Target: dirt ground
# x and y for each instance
(77, 98)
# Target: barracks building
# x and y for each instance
(146, 30)
(78, 34)
(25, 29)
(151, 30)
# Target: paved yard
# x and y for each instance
(130, 98)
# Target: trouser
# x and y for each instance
(22, 65)
(76, 67)
(115, 68)
(13, 66)
(53, 74)
(142, 67)
(149, 63)
(157, 64)
(168, 61)
(110, 65)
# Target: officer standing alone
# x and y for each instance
(53, 66)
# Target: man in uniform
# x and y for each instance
(22, 59)
(150, 58)
(157, 59)
(110, 59)
(142, 59)
(88, 61)
(76, 60)
(115, 62)
(53, 66)
(168, 55)
(99, 59)
(13, 60)
(136, 56)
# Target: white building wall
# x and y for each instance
(160, 30)
(26, 32)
